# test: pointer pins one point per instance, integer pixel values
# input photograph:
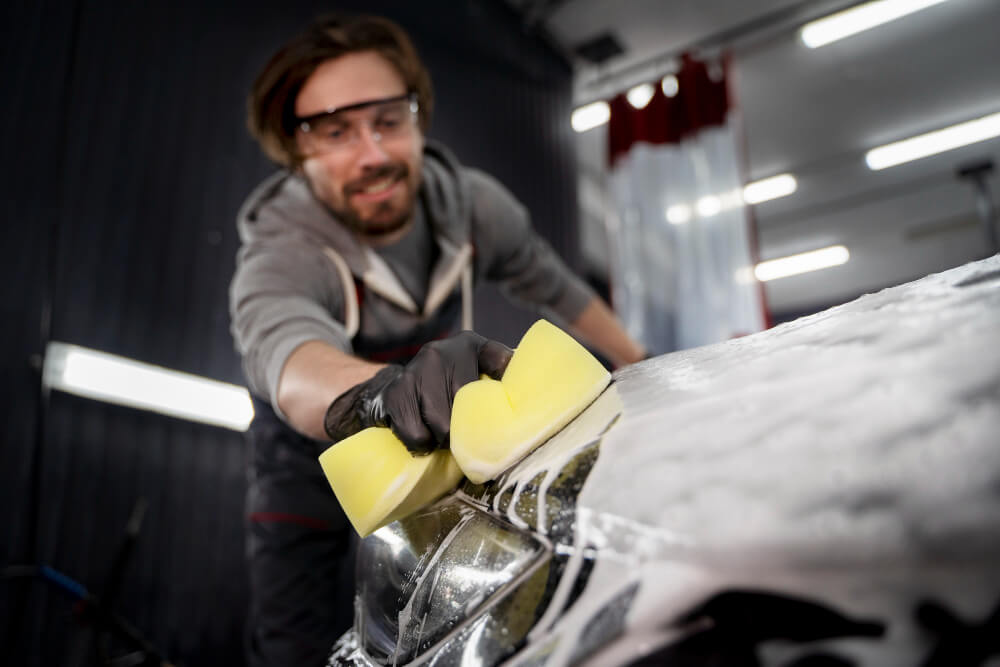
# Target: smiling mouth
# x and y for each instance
(378, 186)
(378, 182)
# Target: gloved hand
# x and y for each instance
(415, 400)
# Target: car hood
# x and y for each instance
(847, 460)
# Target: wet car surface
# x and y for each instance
(827, 489)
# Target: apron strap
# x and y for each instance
(467, 297)
(352, 319)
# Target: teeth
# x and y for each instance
(379, 187)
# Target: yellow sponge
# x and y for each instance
(378, 481)
(549, 381)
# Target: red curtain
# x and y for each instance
(700, 102)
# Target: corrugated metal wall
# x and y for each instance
(125, 161)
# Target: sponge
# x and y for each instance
(550, 379)
(378, 481)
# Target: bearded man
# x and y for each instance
(352, 302)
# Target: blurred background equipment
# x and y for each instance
(978, 175)
(107, 639)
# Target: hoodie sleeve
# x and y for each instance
(511, 253)
(283, 294)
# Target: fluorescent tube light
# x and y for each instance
(670, 85)
(766, 189)
(933, 143)
(781, 185)
(732, 199)
(107, 377)
(858, 19)
(678, 214)
(708, 206)
(802, 263)
(640, 96)
(590, 116)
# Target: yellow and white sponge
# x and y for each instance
(377, 480)
(549, 381)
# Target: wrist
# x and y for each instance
(360, 406)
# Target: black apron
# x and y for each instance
(300, 545)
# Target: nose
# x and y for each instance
(370, 151)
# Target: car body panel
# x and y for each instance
(842, 469)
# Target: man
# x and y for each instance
(356, 270)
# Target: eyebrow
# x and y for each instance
(351, 107)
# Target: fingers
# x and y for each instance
(404, 414)
(476, 354)
(493, 358)
(439, 370)
(435, 408)
(418, 404)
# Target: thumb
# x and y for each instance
(493, 358)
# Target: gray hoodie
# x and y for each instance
(302, 275)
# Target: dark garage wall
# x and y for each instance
(125, 159)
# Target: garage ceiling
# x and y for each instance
(813, 113)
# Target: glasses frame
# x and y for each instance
(304, 123)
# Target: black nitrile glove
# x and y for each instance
(415, 400)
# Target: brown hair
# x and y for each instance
(271, 104)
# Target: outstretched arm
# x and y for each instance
(598, 326)
(314, 375)
(510, 252)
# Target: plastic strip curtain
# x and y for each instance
(678, 229)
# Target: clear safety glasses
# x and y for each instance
(338, 130)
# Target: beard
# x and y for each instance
(384, 217)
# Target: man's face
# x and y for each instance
(370, 180)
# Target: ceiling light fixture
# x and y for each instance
(590, 116)
(113, 379)
(640, 96)
(766, 189)
(670, 85)
(858, 19)
(678, 214)
(708, 206)
(804, 262)
(932, 143)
